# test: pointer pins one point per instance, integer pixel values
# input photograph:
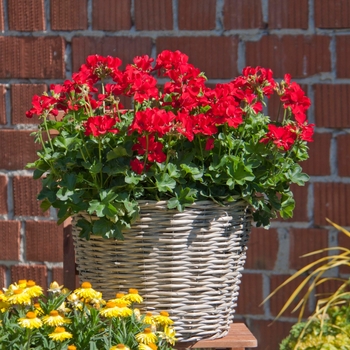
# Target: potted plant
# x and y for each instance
(79, 320)
(328, 326)
(196, 162)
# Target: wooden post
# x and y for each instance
(69, 269)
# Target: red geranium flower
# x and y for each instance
(100, 125)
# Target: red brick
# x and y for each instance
(197, 14)
(44, 234)
(250, 295)
(32, 57)
(126, 48)
(26, 15)
(277, 301)
(3, 197)
(17, 149)
(2, 105)
(328, 287)
(331, 200)
(332, 14)
(343, 52)
(68, 15)
(216, 56)
(25, 191)
(242, 14)
(21, 101)
(2, 25)
(299, 55)
(269, 334)
(343, 155)
(153, 15)
(37, 273)
(262, 249)
(303, 241)
(10, 238)
(329, 112)
(319, 156)
(57, 275)
(301, 195)
(111, 15)
(2, 277)
(288, 14)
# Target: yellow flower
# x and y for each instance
(163, 319)
(38, 310)
(75, 301)
(30, 321)
(4, 305)
(118, 309)
(119, 347)
(168, 334)
(55, 288)
(19, 296)
(72, 347)
(60, 334)
(133, 296)
(120, 296)
(22, 283)
(54, 319)
(137, 314)
(63, 309)
(149, 319)
(33, 290)
(87, 292)
(150, 346)
(146, 337)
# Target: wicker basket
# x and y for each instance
(187, 263)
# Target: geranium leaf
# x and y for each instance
(164, 182)
(117, 152)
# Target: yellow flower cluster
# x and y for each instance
(58, 317)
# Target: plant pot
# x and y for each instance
(187, 263)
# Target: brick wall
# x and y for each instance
(42, 42)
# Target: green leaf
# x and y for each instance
(96, 207)
(64, 194)
(69, 181)
(296, 175)
(86, 228)
(105, 228)
(117, 152)
(173, 203)
(47, 193)
(195, 171)
(287, 206)
(165, 183)
(96, 167)
(173, 171)
(45, 205)
(132, 178)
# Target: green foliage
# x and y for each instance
(328, 330)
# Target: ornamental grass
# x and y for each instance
(78, 320)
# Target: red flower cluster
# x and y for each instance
(184, 106)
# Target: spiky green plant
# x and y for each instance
(328, 327)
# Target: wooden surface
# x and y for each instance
(239, 337)
(69, 270)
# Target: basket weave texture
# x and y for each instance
(187, 263)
